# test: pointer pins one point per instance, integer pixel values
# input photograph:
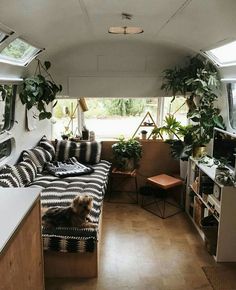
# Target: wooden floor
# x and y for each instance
(141, 251)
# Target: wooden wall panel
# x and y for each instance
(156, 159)
(21, 262)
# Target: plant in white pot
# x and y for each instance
(144, 134)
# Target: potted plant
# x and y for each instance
(127, 153)
(39, 90)
(199, 81)
(144, 134)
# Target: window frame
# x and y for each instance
(18, 62)
(210, 54)
(4, 159)
(230, 103)
(12, 111)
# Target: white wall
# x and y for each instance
(25, 139)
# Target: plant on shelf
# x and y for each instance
(126, 153)
(199, 82)
(40, 90)
(171, 127)
(144, 134)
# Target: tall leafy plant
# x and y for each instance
(40, 90)
(199, 81)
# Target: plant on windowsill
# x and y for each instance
(171, 127)
(199, 82)
(126, 153)
(40, 90)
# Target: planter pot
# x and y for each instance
(144, 136)
(223, 176)
(199, 151)
(222, 170)
(183, 166)
(127, 164)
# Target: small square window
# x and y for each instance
(5, 148)
(224, 55)
(18, 52)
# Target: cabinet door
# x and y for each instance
(21, 263)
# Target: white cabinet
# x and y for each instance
(206, 197)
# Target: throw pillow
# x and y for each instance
(8, 178)
(47, 145)
(85, 152)
(39, 156)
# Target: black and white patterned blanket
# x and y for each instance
(60, 192)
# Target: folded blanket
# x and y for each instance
(69, 168)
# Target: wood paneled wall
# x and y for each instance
(156, 159)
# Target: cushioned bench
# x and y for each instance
(69, 252)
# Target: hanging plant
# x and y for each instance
(40, 90)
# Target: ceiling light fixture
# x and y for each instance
(125, 29)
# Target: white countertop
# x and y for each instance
(15, 203)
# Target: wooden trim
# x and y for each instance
(68, 265)
(73, 265)
(83, 104)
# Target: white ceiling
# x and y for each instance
(74, 32)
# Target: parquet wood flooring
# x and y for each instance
(141, 251)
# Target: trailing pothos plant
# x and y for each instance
(199, 82)
(40, 90)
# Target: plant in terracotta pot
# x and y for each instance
(40, 90)
(127, 153)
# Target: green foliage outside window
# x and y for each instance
(17, 49)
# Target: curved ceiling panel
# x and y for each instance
(172, 29)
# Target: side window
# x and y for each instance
(5, 149)
(7, 106)
(178, 108)
(231, 90)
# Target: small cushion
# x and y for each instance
(39, 156)
(8, 178)
(164, 181)
(47, 145)
(85, 152)
(25, 171)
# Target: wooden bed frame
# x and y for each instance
(73, 265)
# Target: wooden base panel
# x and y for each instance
(68, 265)
(73, 265)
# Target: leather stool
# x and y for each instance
(163, 183)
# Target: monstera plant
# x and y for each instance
(40, 90)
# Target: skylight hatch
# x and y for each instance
(224, 55)
(18, 52)
(3, 36)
